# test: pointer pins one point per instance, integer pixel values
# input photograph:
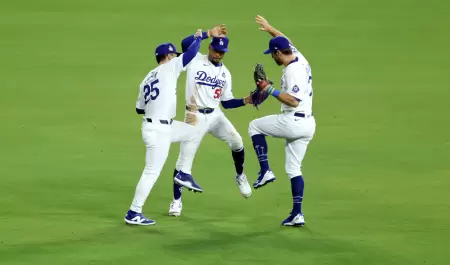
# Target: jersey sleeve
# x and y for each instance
(177, 64)
(140, 102)
(294, 50)
(227, 91)
(295, 84)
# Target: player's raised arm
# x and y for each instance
(214, 32)
(193, 48)
(265, 26)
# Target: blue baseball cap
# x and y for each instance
(166, 48)
(278, 43)
(220, 44)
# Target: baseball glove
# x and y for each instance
(259, 75)
(258, 95)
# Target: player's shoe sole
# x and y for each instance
(187, 185)
(259, 185)
(268, 177)
(134, 218)
(138, 223)
(176, 214)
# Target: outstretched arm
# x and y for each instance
(214, 32)
(236, 102)
(265, 26)
(193, 48)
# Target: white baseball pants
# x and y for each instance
(219, 126)
(157, 138)
(296, 130)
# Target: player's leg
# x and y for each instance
(295, 152)
(157, 149)
(188, 148)
(258, 130)
(225, 131)
(184, 163)
(181, 131)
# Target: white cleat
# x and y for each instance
(175, 208)
(263, 179)
(243, 185)
(294, 220)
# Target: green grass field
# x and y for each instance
(377, 172)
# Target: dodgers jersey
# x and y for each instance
(207, 83)
(297, 81)
(157, 92)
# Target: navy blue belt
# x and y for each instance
(301, 115)
(161, 121)
(203, 111)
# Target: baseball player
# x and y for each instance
(296, 123)
(208, 84)
(157, 101)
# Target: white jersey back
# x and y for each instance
(157, 92)
(297, 81)
(207, 83)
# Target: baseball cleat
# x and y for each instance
(175, 208)
(264, 178)
(243, 185)
(134, 218)
(187, 181)
(294, 220)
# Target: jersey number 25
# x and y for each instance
(151, 92)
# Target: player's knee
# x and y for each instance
(293, 172)
(236, 142)
(151, 170)
(252, 129)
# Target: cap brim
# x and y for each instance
(220, 49)
(268, 51)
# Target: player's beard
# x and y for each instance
(278, 61)
(215, 60)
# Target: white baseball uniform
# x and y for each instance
(298, 131)
(208, 85)
(157, 96)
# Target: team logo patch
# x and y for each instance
(295, 89)
(170, 48)
(223, 75)
(221, 43)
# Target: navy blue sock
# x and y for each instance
(176, 188)
(238, 157)
(297, 186)
(260, 146)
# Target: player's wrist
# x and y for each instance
(275, 93)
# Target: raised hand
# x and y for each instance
(198, 33)
(265, 26)
(217, 31)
